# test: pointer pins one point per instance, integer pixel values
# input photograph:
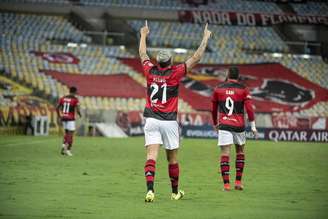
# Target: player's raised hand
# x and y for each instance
(144, 30)
(207, 32)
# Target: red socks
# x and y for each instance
(65, 139)
(68, 140)
(225, 168)
(150, 168)
(174, 176)
(240, 163)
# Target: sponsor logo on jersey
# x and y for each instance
(229, 118)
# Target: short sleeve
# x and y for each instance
(147, 65)
(214, 96)
(181, 70)
(248, 96)
(60, 101)
(77, 102)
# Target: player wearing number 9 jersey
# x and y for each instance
(66, 109)
(229, 101)
(161, 127)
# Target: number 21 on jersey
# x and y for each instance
(157, 91)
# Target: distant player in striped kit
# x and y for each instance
(161, 127)
(67, 107)
(229, 101)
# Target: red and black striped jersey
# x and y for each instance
(229, 100)
(162, 90)
(67, 106)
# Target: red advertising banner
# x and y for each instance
(100, 85)
(287, 121)
(58, 57)
(247, 18)
(274, 88)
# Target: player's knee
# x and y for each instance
(225, 150)
(172, 157)
(225, 154)
(240, 149)
(152, 155)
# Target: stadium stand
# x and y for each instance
(313, 69)
(29, 48)
(242, 6)
(311, 8)
(118, 85)
(163, 5)
(308, 8)
(18, 101)
(66, 2)
(199, 97)
(228, 38)
(35, 44)
(222, 5)
(232, 46)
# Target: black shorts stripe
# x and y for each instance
(238, 107)
(159, 115)
(231, 128)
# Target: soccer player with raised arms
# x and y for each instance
(229, 101)
(161, 127)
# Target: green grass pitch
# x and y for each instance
(105, 179)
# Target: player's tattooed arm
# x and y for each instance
(192, 61)
(144, 31)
